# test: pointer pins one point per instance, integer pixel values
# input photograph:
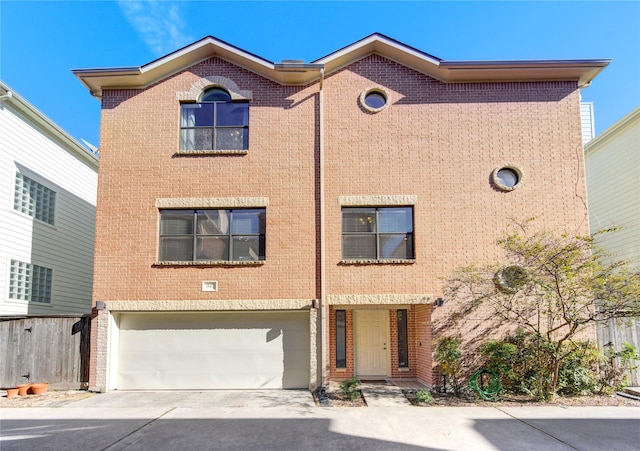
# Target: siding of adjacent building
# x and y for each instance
(28, 147)
(613, 185)
(613, 181)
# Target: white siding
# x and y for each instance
(67, 247)
(613, 186)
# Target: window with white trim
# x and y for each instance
(377, 233)
(212, 235)
(34, 199)
(215, 122)
(30, 282)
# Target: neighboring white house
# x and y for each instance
(612, 162)
(48, 185)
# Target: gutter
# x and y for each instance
(324, 310)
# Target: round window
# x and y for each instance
(507, 178)
(374, 99)
(511, 278)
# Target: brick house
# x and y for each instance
(278, 225)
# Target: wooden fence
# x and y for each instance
(614, 334)
(45, 349)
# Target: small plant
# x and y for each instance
(349, 388)
(424, 396)
(615, 367)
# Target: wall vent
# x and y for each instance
(209, 285)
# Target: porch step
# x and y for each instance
(635, 391)
(382, 395)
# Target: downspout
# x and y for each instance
(324, 311)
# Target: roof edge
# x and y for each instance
(49, 127)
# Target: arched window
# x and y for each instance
(214, 123)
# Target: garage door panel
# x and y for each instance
(214, 350)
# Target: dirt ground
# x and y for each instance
(48, 399)
(448, 399)
(334, 399)
(61, 398)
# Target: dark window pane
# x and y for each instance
(215, 95)
(359, 220)
(202, 138)
(213, 248)
(395, 220)
(232, 114)
(232, 138)
(359, 246)
(176, 248)
(176, 222)
(248, 248)
(341, 338)
(196, 115)
(396, 246)
(213, 222)
(247, 221)
(375, 100)
(403, 339)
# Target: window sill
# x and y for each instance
(404, 369)
(187, 153)
(212, 263)
(388, 261)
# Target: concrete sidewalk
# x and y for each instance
(159, 422)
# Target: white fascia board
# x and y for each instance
(219, 48)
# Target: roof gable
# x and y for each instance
(290, 72)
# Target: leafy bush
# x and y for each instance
(503, 357)
(424, 396)
(523, 361)
(447, 355)
(578, 373)
(349, 388)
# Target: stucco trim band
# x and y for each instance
(359, 201)
(379, 299)
(207, 305)
(212, 202)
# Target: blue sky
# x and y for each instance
(41, 42)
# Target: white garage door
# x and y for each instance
(221, 350)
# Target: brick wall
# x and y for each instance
(441, 142)
(139, 141)
(438, 142)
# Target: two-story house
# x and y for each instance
(278, 225)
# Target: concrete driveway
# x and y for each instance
(288, 420)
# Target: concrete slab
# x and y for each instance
(383, 395)
(199, 399)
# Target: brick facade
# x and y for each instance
(435, 144)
